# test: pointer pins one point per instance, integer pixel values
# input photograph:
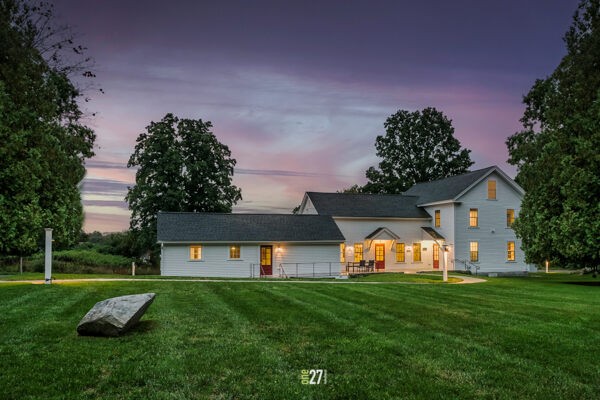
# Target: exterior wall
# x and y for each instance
(308, 208)
(409, 230)
(216, 263)
(446, 229)
(492, 234)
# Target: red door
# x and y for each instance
(266, 260)
(436, 256)
(379, 257)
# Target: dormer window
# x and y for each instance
(491, 189)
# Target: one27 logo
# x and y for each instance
(313, 376)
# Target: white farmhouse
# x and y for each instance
(463, 221)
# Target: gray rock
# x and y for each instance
(114, 316)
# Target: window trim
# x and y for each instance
(361, 252)
(402, 253)
(239, 252)
(191, 253)
(420, 252)
(510, 252)
(476, 252)
(492, 190)
(510, 217)
(475, 218)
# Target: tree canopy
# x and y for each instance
(181, 167)
(417, 147)
(44, 142)
(557, 155)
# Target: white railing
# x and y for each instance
(323, 269)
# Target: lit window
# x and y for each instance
(510, 251)
(474, 253)
(473, 218)
(438, 218)
(195, 252)
(510, 217)
(358, 252)
(234, 251)
(492, 190)
(416, 252)
(343, 252)
(400, 255)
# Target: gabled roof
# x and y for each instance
(366, 205)
(381, 231)
(213, 227)
(453, 187)
(433, 233)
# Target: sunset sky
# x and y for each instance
(299, 90)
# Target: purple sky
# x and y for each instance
(299, 90)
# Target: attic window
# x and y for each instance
(491, 189)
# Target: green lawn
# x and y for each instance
(508, 338)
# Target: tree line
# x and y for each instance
(182, 166)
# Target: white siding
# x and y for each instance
(492, 234)
(216, 263)
(409, 230)
(308, 208)
(446, 229)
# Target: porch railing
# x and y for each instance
(324, 269)
(468, 265)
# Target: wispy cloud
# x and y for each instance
(275, 172)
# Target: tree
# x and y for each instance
(556, 153)
(354, 189)
(44, 142)
(417, 147)
(182, 167)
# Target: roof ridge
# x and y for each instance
(455, 176)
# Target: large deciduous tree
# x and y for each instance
(417, 147)
(557, 154)
(181, 167)
(43, 142)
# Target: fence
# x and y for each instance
(315, 269)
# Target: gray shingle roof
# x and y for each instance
(211, 227)
(366, 205)
(447, 188)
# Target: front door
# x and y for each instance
(266, 260)
(379, 257)
(436, 256)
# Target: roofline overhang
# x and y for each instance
(438, 203)
(385, 218)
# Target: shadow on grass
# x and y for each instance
(142, 327)
(583, 283)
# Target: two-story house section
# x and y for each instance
(474, 212)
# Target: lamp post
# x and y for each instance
(445, 250)
(48, 257)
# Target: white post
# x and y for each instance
(48, 258)
(445, 250)
(547, 263)
(133, 269)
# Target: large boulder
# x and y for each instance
(114, 316)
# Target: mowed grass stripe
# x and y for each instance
(238, 340)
